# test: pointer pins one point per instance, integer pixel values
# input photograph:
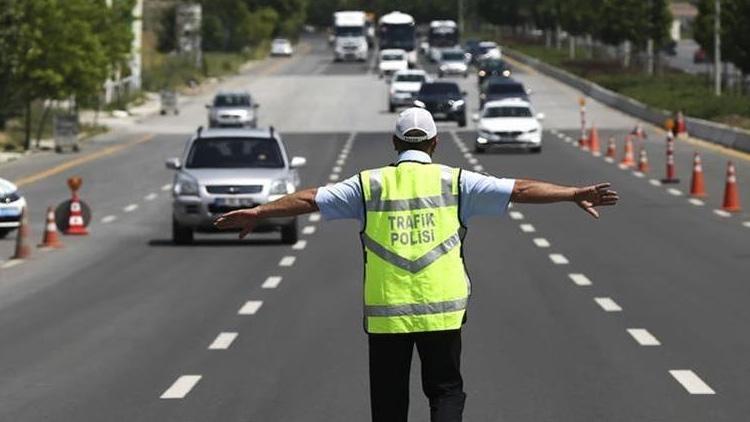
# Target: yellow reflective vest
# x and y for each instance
(415, 279)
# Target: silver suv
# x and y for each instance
(227, 169)
(233, 109)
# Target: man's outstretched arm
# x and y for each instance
(297, 203)
(588, 197)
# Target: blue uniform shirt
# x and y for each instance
(480, 194)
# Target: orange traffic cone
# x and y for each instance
(75, 220)
(51, 238)
(680, 128)
(731, 194)
(583, 143)
(670, 176)
(23, 250)
(628, 160)
(611, 148)
(594, 142)
(643, 161)
(697, 187)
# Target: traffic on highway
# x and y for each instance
(382, 215)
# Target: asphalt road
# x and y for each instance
(571, 319)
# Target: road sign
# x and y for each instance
(65, 130)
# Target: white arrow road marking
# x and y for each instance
(272, 282)
(181, 387)
(250, 307)
(643, 337)
(558, 259)
(607, 304)
(580, 279)
(691, 382)
(223, 341)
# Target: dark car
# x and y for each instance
(492, 67)
(444, 100)
(500, 88)
(472, 48)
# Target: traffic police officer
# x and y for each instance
(413, 215)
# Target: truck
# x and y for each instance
(350, 36)
(396, 30)
(443, 34)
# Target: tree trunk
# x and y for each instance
(547, 38)
(571, 47)
(626, 54)
(558, 37)
(27, 126)
(650, 57)
(40, 127)
(589, 47)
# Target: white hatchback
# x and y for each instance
(391, 61)
(12, 206)
(510, 123)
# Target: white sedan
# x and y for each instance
(405, 85)
(281, 47)
(510, 123)
(12, 205)
(391, 61)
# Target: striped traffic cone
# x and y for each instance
(670, 176)
(611, 148)
(51, 239)
(731, 201)
(628, 160)
(643, 166)
(697, 186)
(76, 225)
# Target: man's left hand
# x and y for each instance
(590, 197)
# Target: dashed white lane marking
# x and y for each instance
(643, 337)
(250, 307)
(541, 242)
(467, 155)
(579, 279)
(151, 196)
(130, 208)
(558, 259)
(697, 202)
(333, 177)
(722, 213)
(638, 174)
(314, 217)
(527, 228)
(336, 169)
(746, 224)
(340, 162)
(343, 156)
(11, 263)
(691, 382)
(181, 387)
(108, 219)
(675, 192)
(607, 304)
(223, 341)
(308, 230)
(271, 282)
(166, 187)
(287, 261)
(516, 215)
(654, 182)
(478, 168)
(301, 244)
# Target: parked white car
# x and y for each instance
(405, 85)
(12, 205)
(281, 47)
(391, 61)
(510, 123)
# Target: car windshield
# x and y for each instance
(507, 112)
(392, 56)
(410, 78)
(506, 89)
(232, 100)
(439, 88)
(280, 42)
(349, 31)
(453, 56)
(493, 64)
(483, 48)
(229, 153)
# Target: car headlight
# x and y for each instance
(185, 185)
(482, 73)
(457, 103)
(279, 187)
(506, 73)
(443, 67)
(10, 198)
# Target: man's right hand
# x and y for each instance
(240, 219)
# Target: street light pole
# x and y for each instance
(717, 47)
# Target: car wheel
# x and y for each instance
(289, 233)
(163, 112)
(462, 122)
(440, 74)
(181, 235)
(4, 232)
(391, 107)
(536, 150)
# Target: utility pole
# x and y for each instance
(717, 48)
(461, 17)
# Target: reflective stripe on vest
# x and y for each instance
(415, 279)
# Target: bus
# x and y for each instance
(442, 34)
(397, 30)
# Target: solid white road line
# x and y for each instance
(250, 307)
(299, 245)
(108, 219)
(527, 228)
(130, 208)
(675, 192)
(308, 230)
(691, 382)
(607, 304)
(11, 263)
(223, 341)
(558, 259)
(541, 242)
(166, 187)
(287, 261)
(272, 282)
(643, 337)
(722, 213)
(181, 387)
(516, 215)
(579, 279)
(151, 196)
(314, 217)
(654, 182)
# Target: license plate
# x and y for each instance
(9, 212)
(439, 115)
(234, 202)
(508, 140)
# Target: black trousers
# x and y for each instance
(390, 364)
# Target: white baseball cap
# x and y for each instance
(415, 118)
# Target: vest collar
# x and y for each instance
(414, 155)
